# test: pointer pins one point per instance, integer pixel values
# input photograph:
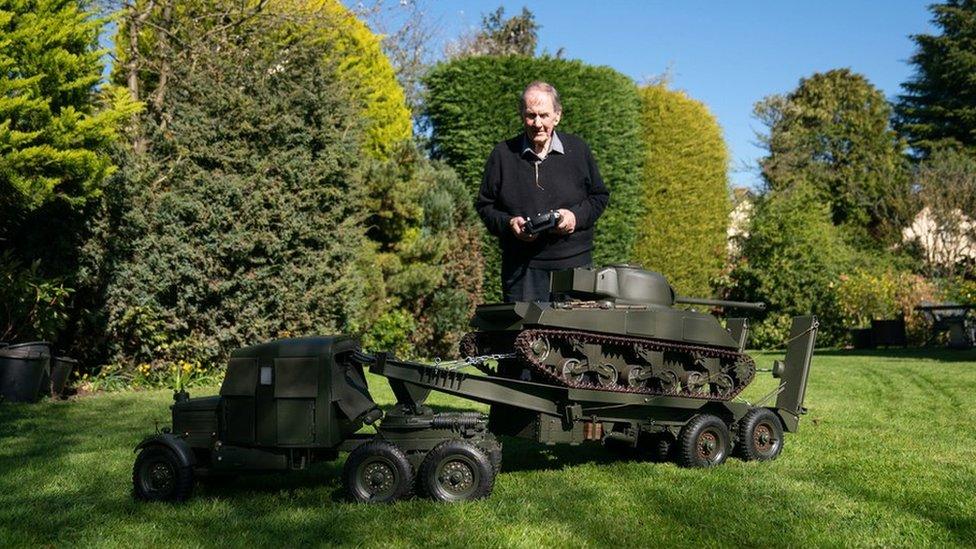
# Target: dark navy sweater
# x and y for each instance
(570, 180)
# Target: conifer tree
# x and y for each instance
(55, 124)
(939, 104)
(682, 231)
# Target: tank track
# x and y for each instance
(739, 366)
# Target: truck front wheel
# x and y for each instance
(160, 475)
(377, 472)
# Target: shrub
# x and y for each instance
(32, 307)
(865, 295)
(685, 191)
(427, 252)
(54, 128)
(170, 32)
(472, 104)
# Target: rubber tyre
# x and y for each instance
(703, 442)
(495, 456)
(759, 437)
(391, 476)
(471, 469)
(159, 475)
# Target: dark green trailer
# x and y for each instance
(289, 403)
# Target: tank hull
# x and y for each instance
(655, 322)
(647, 348)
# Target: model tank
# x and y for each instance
(616, 328)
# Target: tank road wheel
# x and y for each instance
(377, 472)
(722, 385)
(540, 348)
(668, 380)
(572, 370)
(606, 375)
(158, 475)
(760, 436)
(703, 442)
(636, 377)
(456, 470)
(695, 383)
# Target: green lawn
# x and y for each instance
(885, 457)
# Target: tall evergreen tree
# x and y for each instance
(243, 219)
(682, 232)
(939, 103)
(833, 132)
(55, 125)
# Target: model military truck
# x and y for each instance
(609, 361)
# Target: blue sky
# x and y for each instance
(726, 54)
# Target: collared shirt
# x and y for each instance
(555, 146)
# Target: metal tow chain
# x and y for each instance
(470, 361)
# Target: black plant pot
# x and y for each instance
(22, 368)
(61, 368)
(889, 333)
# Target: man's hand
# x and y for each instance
(567, 222)
(517, 224)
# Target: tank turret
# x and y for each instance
(616, 328)
(624, 284)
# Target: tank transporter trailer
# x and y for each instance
(608, 361)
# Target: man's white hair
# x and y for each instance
(544, 87)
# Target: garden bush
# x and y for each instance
(32, 306)
(792, 260)
(865, 295)
(427, 250)
(472, 104)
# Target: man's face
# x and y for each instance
(539, 117)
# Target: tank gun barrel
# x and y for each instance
(755, 306)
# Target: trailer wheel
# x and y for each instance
(160, 475)
(377, 472)
(456, 470)
(703, 442)
(760, 436)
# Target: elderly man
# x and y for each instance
(535, 172)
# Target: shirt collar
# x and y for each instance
(555, 145)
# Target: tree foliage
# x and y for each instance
(832, 132)
(516, 35)
(685, 194)
(162, 40)
(939, 104)
(944, 232)
(473, 102)
(243, 219)
(55, 125)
